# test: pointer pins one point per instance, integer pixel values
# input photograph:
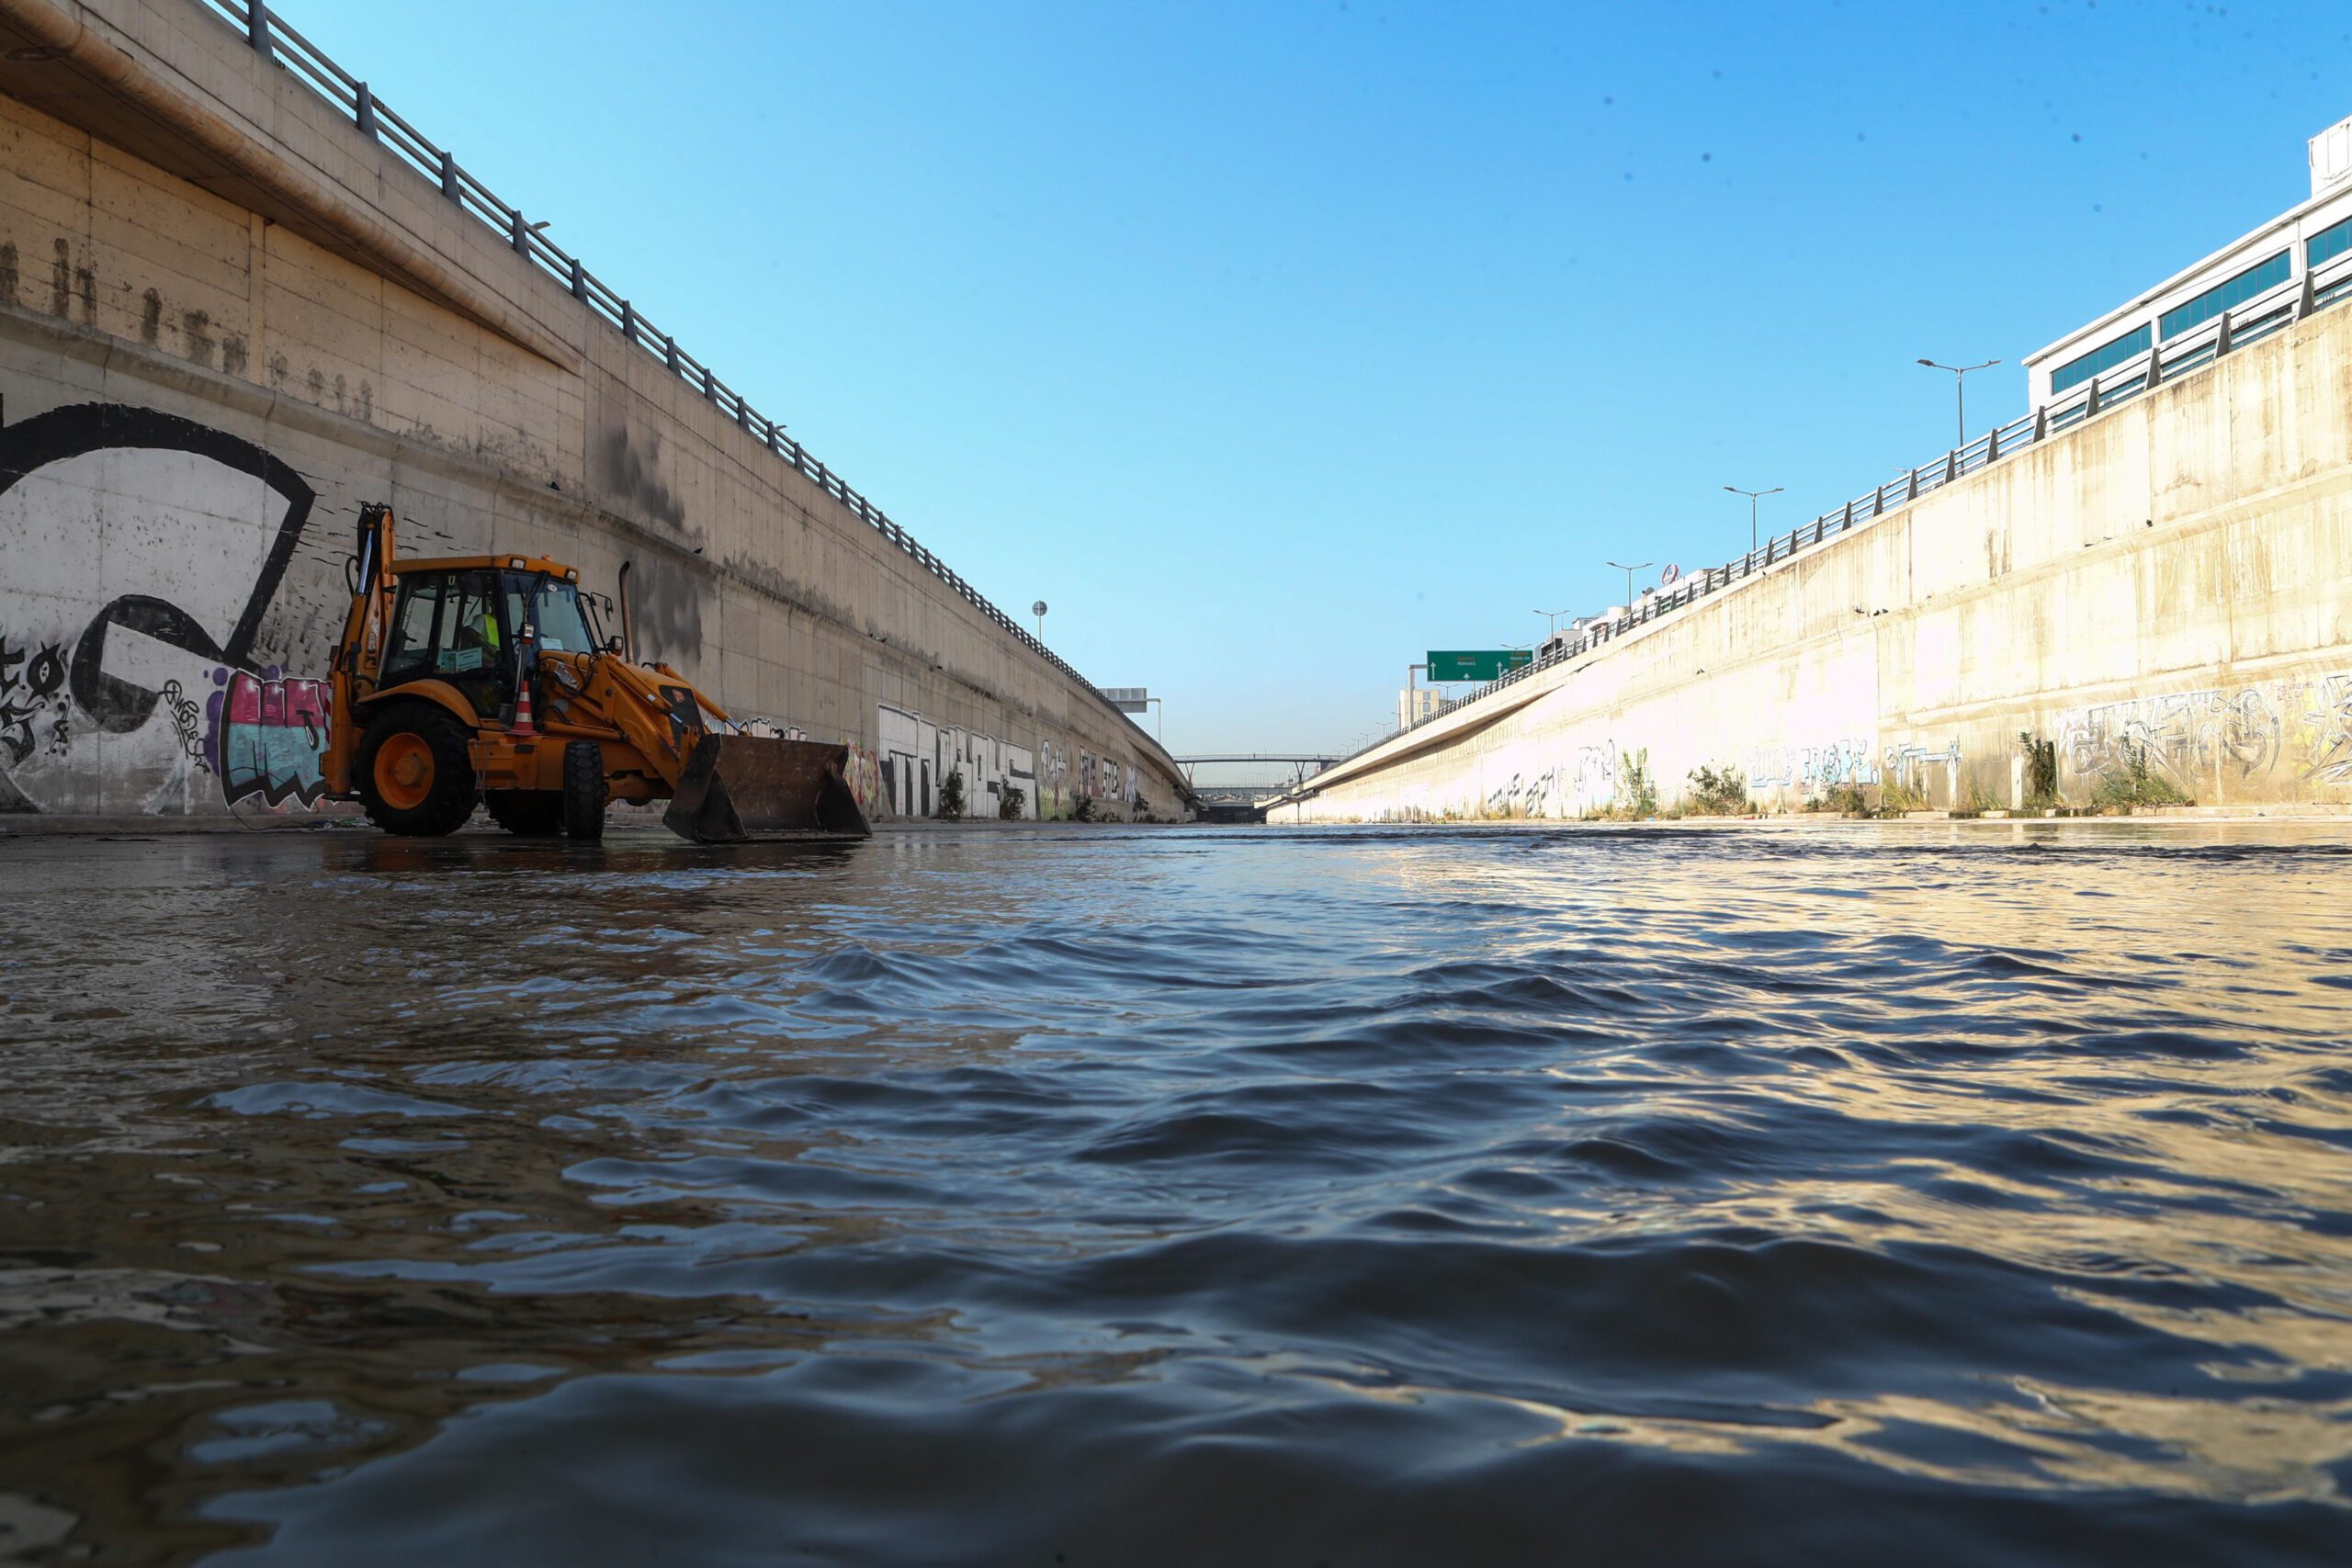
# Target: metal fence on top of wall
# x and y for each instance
(2290, 301)
(274, 40)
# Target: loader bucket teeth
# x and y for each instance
(735, 785)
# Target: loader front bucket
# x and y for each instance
(736, 785)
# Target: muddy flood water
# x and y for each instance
(1909, 1194)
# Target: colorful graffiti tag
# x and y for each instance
(273, 736)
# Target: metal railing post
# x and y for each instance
(2092, 406)
(450, 176)
(1992, 446)
(628, 320)
(521, 231)
(1951, 466)
(2041, 422)
(2222, 336)
(670, 351)
(579, 279)
(1913, 494)
(257, 26)
(2156, 374)
(363, 109)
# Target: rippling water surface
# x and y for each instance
(1097, 1196)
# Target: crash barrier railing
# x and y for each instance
(2290, 301)
(274, 40)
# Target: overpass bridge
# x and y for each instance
(1244, 801)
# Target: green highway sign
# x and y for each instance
(1476, 664)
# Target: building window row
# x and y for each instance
(2105, 357)
(2259, 278)
(2328, 244)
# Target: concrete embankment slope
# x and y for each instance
(2170, 581)
(229, 316)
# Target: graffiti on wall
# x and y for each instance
(272, 736)
(143, 552)
(2331, 720)
(1596, 784)
(916, 756)
(1840, 762)
(864, 771)
(1523, 795)
(2217, 737)
(1907, 764)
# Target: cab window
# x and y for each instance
(448, 625)
(556, 613)
(408, 652)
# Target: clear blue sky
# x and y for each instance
(1273, 345)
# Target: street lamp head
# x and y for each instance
(1931, 365)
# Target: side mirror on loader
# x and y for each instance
(612, 645)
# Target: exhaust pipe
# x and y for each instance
(629, 621)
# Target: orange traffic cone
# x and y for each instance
(523, 724)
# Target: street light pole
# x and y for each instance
(1753, 497)
(1551, 630)
(1161, 725)
(1412, 708)
(1959, 392)
(1629, 572)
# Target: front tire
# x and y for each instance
(525, 813)
(416, 778)
(585, 791)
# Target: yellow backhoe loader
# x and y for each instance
(487, 679)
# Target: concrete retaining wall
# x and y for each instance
(228, 320)
(2170, 582)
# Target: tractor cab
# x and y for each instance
(468, 625)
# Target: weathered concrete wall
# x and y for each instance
(2174, 577)
(228, 320)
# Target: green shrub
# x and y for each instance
(1636, 791)
(951, 796)
(1008, 802)
(1723, 794)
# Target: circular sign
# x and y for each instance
(1038, 608)
(1666, 578)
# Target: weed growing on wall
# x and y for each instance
(1843, 800)
(951, 796)
(2134, 784)
(1636, 791)
(1895, 797)
(2040, 770)
(1084, 810)
(1008, 802)
(1723, 794)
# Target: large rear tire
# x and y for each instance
(525, 813)
(585, 791)
(415, 776)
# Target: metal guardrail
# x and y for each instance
(274, 40)
(2291, 301)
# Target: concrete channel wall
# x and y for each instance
(228, 319)
(2168, 586)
